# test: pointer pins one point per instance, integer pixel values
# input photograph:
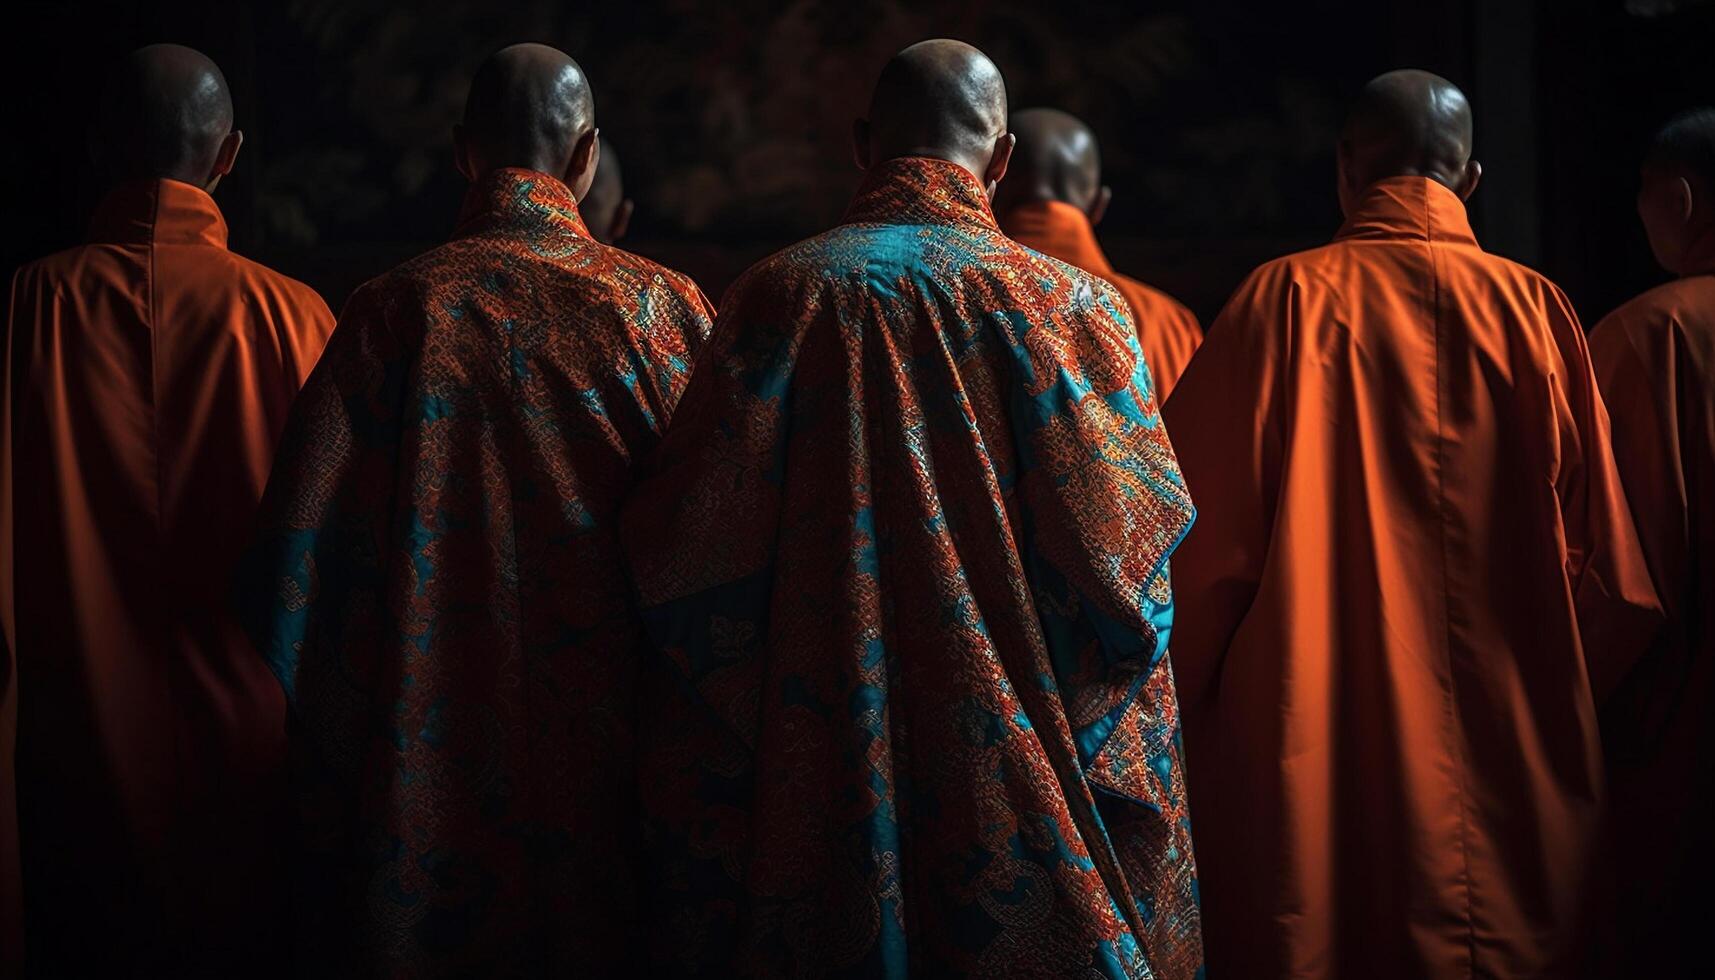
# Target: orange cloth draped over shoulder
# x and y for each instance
(1412, 578)
(1167, 331)
(148, 375)
(1655, 362)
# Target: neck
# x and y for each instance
(554, 169)
(975, 167)
(200, 182)
(1017, 195)
(1440, 175)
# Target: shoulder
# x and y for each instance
(1308, 267)
(1651, 327)
(300, 298)
(1308, 272)
(816, 263)
(53, 266)
(1089, 292)
(67, 268)
(1522, 295)
(1659, 308)
(1518, 274)
(1152, 300)
(632, 274)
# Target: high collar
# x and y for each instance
(161, 212)
(1058, 229)
(920, 190)
(1409, 208)
(519, 200)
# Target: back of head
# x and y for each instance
(1685, 146)
(1676, 198)
(1407, 123)
(939, 98)
(529, 107)
(165, 113)
(1057, 159)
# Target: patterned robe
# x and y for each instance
(904, 561)
(437, 586)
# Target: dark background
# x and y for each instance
(1216, 117)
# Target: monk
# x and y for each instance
(1052, 201)
(605, 209)
(437, 582)
(149, 374)
(1655, 362)
(902, 560)
(1413, 580)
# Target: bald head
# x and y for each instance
(605, 208)
(1408, 123)
(939, 98)
(1056, 160)
(1686, 146)
(1676, 197)
(166, 113)
(530, 107)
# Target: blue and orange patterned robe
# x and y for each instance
(903, 559)
(438, 587)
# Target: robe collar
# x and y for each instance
(512, 199)
(1409, 208)
(920, 190)
(1058, 229)
(159, 212)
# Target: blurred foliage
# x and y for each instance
(734, 118)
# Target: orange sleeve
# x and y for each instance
(1618, 613)
(1223, 420)
(305, 336)
(1635, 377)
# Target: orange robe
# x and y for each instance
(1412, 575)
(148, 376)
(1655, 361)
(1167, 331)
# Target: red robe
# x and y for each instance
(1655, 361)
(903, 560)
(1413, 575)
(437, 585)
(1166, 330)
(149, 374)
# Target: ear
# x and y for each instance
(461, 154)
(860, 143)
(228, 154)
(223, 158)
(1002, 155)
(621, 221)
(580, 169)
(1468, 180)
(1099, 207)
(1684, 200)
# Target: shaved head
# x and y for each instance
(529, 106)
(938, 98)
(1686, 146)
(1057, 160)
(1408, 123)
(166, 113)
(605, 208)
(1676, 197)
